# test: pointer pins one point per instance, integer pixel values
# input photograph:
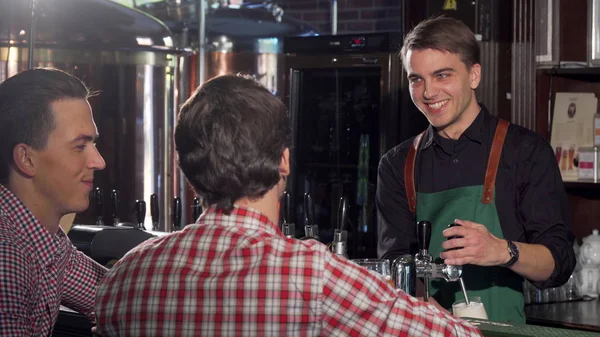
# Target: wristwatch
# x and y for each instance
(513, 250)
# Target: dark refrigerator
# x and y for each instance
(349, 104)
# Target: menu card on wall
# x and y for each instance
(572, 128)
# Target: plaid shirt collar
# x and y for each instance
(240, 216)
(42, 242)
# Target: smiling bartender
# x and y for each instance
(502, 181)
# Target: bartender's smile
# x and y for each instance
(437, 106)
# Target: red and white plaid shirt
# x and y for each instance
(237, 275)
(38, 272)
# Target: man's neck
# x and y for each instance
(45, 214)
(267, 205)
(457, 128)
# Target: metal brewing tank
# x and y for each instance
(238, 38)
(126, 55)
(246, 37)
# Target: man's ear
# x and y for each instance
(24, 159)
(284, 167)
(475, 74)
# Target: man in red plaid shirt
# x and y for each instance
(233, 273)
(47, 164)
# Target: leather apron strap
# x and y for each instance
(493, 161)
(490, 173)
(409, 173)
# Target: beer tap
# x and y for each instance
(406, 268)
(196, 209)
(154, 213)
(287, 226)
(460, 280)
(311, 230)
(115, 202)
(176, 213)
(340, 236)
(98, 198)
(423, 259)
(140, 213)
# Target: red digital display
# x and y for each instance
(357, 42)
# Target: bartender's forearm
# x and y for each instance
(535, 261)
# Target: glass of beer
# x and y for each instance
(558, 154)
(475, 309)
(571, 157)
(381, 266)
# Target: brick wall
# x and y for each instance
(353, 15)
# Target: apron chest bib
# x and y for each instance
(499, 288)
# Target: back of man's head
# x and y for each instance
(26, 109)
(230, 137)
(444, 34)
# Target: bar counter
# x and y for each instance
(496, 329)
(583, 315)
(569, 319)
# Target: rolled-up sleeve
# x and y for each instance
(543, 209)
(396, 230)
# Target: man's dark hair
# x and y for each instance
(26, 114)
(229, 137)
(446, 35)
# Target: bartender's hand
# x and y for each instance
(479, 246)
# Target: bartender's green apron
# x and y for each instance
(499, 288)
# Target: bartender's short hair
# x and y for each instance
(230, 136)
(26, 114)
(444, 34)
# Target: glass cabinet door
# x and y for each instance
(336, 121)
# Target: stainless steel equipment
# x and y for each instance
(244, 38)
(226, 39)
(129, 58)
(406, 269)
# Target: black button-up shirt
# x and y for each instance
(530, 196)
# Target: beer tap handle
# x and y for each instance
(455, 236)
(140, 213)
(423, 236)
(286, 208)
(454, 273)
(340, 236)
(154, 213)
(342, 216)
(115, 202)
(310, 229)
(98, 197)
(288, 228)
(196, 208)
(309, 209)
(176, 213)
